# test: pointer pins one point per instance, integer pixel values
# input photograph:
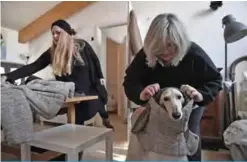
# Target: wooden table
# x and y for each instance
(70, 105)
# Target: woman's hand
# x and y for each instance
(3, 79)
(192, 92)
(149, 91)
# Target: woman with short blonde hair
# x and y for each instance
(170, 59)
(166, 32)
(72, 60)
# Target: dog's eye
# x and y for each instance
(166, 99)
(179, 97)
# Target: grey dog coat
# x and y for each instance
(158, 133)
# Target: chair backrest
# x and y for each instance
(9, 66)
(236, 89)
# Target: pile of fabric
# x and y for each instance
(19, 102)
(235, 138)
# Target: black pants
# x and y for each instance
(86, 110)
(194, 126)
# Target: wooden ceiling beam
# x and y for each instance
(62, 10)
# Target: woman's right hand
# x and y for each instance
(149, 91)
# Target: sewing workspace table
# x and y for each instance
(70, 105)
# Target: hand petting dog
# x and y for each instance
(149, 91)
(192, 92)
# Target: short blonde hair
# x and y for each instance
(166, 26)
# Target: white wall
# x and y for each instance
(117, 33)
(13, 47)
(86, 23)
(204, 26)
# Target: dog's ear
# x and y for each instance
(186, 98)
(158, 94)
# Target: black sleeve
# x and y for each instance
(136, 75)
(95, 60)
(27, 70)
(209, 81)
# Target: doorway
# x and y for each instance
(115, 67)
(114, 56)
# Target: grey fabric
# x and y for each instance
(40, 96)
(238, 152)
(16, 116)
(163, 135)
(235, 138)
(236, 133)
(192, 142)
(242, 114)
(142, 120)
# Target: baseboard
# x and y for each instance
(213, 143)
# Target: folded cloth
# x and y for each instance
(41, 96)
(235, 138)
(79, 94)
(16, 116)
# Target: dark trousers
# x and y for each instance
(86, 110)
(194, 126)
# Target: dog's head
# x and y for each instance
(172, 100)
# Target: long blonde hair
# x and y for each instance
(163, 27)
(62, 53)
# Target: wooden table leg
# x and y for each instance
(71, 113)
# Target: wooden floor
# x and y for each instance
(121, 146)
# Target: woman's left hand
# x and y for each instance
(192, 92)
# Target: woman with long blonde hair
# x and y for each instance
(72, 60)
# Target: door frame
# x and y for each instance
(102, 55)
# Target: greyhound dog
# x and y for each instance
(160, 131)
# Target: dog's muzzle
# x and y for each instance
(176, 115)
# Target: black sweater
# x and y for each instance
(196, 69)
(84, 77)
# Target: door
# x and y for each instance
(115, 67)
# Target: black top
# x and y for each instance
(196, 69)
(84, 76)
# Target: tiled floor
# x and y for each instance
(120, 147)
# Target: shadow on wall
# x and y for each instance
(214, 5)
(202, 14)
